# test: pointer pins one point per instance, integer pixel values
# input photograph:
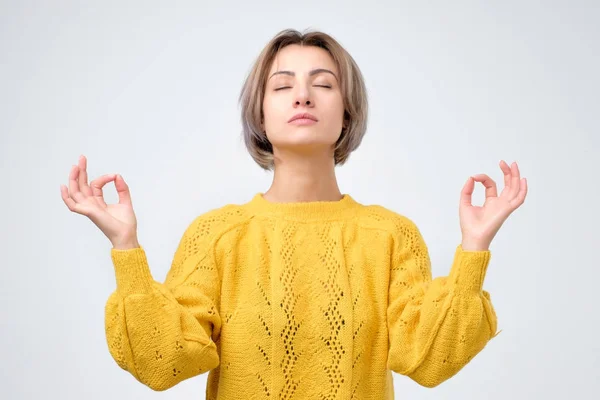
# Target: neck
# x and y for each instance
(302, 179)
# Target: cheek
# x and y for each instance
(272, 111)
(335, 111)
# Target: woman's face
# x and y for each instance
(303, 79)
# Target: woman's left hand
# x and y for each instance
(478, 224)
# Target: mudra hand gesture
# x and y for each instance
(479, 224)
(116, 221)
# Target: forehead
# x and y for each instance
(301, 59)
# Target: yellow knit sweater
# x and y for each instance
(311, 300)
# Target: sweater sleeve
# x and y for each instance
(436, 326)
(164, 333)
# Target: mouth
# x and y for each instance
(303, 121)
(303, 118)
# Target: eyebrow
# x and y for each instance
(310, 73)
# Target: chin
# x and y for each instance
(305, 137)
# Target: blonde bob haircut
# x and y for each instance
(352, 86)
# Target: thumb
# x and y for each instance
(122, 190)
(466, 195)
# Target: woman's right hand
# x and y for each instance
(116, 221)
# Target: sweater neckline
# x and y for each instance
(306, 210)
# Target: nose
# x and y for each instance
(302, 97)
(307, 102)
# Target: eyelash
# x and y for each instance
(287, 87)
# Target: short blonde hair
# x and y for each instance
(352, 86)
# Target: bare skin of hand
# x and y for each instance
(478, 224)
(116, 221)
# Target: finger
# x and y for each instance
(515, 180)
(83, 176)
(520, 198)
(507, 179)
(71, 204)
(506, 171)
(466, 195)
(97, 185)
(74, 191)
(490, 185)
(122, 190)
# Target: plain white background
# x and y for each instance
(149, 90)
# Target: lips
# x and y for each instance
(303, 116)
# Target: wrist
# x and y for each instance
(133, 244)
(474, 245)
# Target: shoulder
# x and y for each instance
(399, 227)
(216, 222)
(377, 216)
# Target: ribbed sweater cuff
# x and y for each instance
(469, 269)
(132, 271)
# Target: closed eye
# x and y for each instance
(288, 87)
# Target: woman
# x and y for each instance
(301, 292)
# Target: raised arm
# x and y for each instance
(160, 333)
(436, 326)
(165, 333)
